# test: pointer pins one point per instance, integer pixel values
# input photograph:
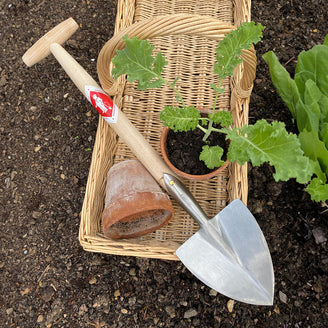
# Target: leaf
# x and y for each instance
(315, 149)
(312, 96)
(313, 65)
(312, 93)
(325, 43)
(318, 171)
(264, 142)
(311, 78)
(221, 117)
(137, 61)
(324, 134)
(307, 117)
(212, 156)
(180, 119)
(284, 84)
(318, 190)
(229, 50)
(323, 103)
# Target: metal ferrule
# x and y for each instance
(181, 194)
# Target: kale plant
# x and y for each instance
(307, 98)
(258, 143)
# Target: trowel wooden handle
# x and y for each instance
(58, 34)
(117, 119)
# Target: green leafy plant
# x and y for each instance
(258, 143)
(307, 98)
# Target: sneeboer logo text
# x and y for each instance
(102, 103)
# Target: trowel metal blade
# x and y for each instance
(230, 255)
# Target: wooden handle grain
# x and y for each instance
(58, 34)
(123, 127)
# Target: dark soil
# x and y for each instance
(184, 148)
(47, 134)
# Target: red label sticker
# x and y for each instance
(102, 103)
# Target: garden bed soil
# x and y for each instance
(47, 135)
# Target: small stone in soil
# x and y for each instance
(93, 280)
(9, 311)
(170, 311)
(213, 292)
(319, 236)
(283, 297)
(230, 305)
(190, 313)
(47, 293)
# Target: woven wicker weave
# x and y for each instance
(186, 32)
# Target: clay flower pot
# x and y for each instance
(163, 144)
(134, 203)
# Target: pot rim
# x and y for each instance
(134, 207)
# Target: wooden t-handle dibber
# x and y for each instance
(50, 43)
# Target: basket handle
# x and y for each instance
(176, 24)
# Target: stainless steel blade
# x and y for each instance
(239, 265)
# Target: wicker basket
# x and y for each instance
(188, 41)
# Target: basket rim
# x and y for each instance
(168, 25)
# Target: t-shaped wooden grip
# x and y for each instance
(58, 34)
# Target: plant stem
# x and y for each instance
(160, 77)
(208, 130)
(217, 95)
(201, 128)
(210, 123)
(175, 90)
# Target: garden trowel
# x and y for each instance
(229, 252)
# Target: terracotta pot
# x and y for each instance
(134, 203)
(207, 176)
